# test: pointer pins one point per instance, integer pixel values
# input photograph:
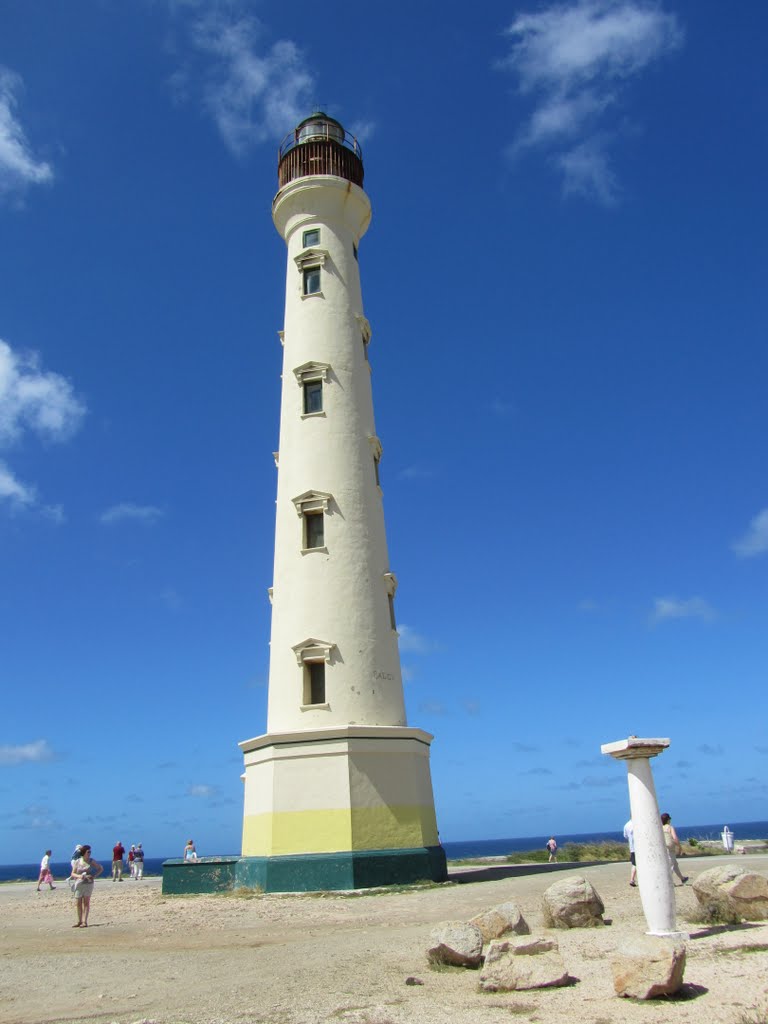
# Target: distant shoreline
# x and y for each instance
(490, 851)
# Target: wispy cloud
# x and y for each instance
(27, 753)
(755, 540)
(416, 472)
(36, 818)
(572, 60)
(433, 707)
(523, 748)
(18, 494)
(413, 642)
(710, 750)
(667, 608)
(18, 167)
(252, 89)
(126, 512)
(34, 399)
(202, 791)
(537, 771)
(38, 402)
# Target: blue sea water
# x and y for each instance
(454, 850)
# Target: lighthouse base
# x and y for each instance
(340, 808)
(358, 869)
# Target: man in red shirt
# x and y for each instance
(118, 851)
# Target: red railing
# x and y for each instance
(320, 148)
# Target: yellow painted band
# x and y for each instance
(284, 833)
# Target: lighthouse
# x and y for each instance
(338, 791)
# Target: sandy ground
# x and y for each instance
(330, 958)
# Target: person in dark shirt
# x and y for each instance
(118, 852)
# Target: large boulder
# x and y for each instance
(572, 903)
(457, 943)
(733, 892)
(648, 966)
(505, 919)
(523, 963)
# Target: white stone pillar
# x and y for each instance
(654, 876)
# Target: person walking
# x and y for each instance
(84, 871)
(138, 862)
(45, 871)
(629, 835)
(118, 852)
(672, 844)
(131, 862)
(552, 847)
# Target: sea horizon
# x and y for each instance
(454, 849)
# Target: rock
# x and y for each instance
(523, 963)
(456, 942)
(648, 966)
(413, 981)
(733, 892)
(572, 903)
(505, 919)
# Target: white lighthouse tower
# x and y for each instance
(338, 792)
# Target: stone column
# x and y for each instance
(653, 873)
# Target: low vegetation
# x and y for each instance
(573, 852)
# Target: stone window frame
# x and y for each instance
(310, 373)
(377, 451)
(312, 503)
(310, 231)
(390, 583)
(307, 261)
(365, 331)
(311, 652)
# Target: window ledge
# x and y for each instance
(313, 295)
(311, 415)
(311, 551)
(314, 707)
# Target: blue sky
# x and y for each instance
(565, 277)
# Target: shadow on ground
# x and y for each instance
(495, 872)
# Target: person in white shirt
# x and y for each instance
(45, 871)
(629, 835)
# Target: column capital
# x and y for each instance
(633, 747)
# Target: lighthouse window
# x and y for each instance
(392, 620)
(314, 530)
(311, 237)
(313, 396)
(376, 471)
(314, 682)
(354, 250)
(311, 280)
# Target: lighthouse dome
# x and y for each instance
(320, 145)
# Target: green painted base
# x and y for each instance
(362, 869)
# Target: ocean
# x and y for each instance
(459, 850)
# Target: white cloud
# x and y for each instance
(126, 511)
(13, 490)
(201, 790)
(26, 753)
(412, 641)
(586, 172)
(755, 540)
(416, 472)
(572, 60)
(38, 402)
(18, 168)
(252, 90)
(33, 399)
(666, 608)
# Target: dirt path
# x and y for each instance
(312, 959)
